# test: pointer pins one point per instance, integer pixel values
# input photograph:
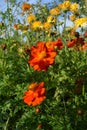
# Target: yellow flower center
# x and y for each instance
(42, 54)
(33, 86)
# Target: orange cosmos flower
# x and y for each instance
(59, 43)
(26, 6)
(50, 45)
(41, 57)
(76, 42)
(35, 94)
(71, 43)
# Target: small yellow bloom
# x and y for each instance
(55, 11)
(51, 19)
(65, 6)
(36, 25)
(47, 26)
(80, 22)
(31, 18)
(72, 17)
(74, 8)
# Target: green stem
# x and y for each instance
(6, 126)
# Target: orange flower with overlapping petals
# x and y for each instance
(35, 95)
(59, 43)
(26, 6)
(41, 57)
(71, 43)
(52, 44)
(76, 42)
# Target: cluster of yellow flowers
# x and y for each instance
(35, 24)
(73, 8)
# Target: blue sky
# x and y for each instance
(3, 3)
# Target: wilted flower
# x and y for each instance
(3, 46)
(1, 24)
(85, 33)
(16, 26)
(35, 95)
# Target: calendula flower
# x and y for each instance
(80, 22)
(31, 18)
(26, 6)
(55, 11)
(72, 17)
(36, 25)
(65, 6)
(47, 26)
(41, 57)
(35, 95)
(51, 19)
(74, 8)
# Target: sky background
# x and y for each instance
(3, 3)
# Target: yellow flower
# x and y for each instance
(80, 22)
(36, 25)
(65, 6)
(51, 19)
(74, 8)
(47, 26)
(72, 17)
(55, 11)
(24, 28)
(31, 18)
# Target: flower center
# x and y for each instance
(42, 54)
(33, 86)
